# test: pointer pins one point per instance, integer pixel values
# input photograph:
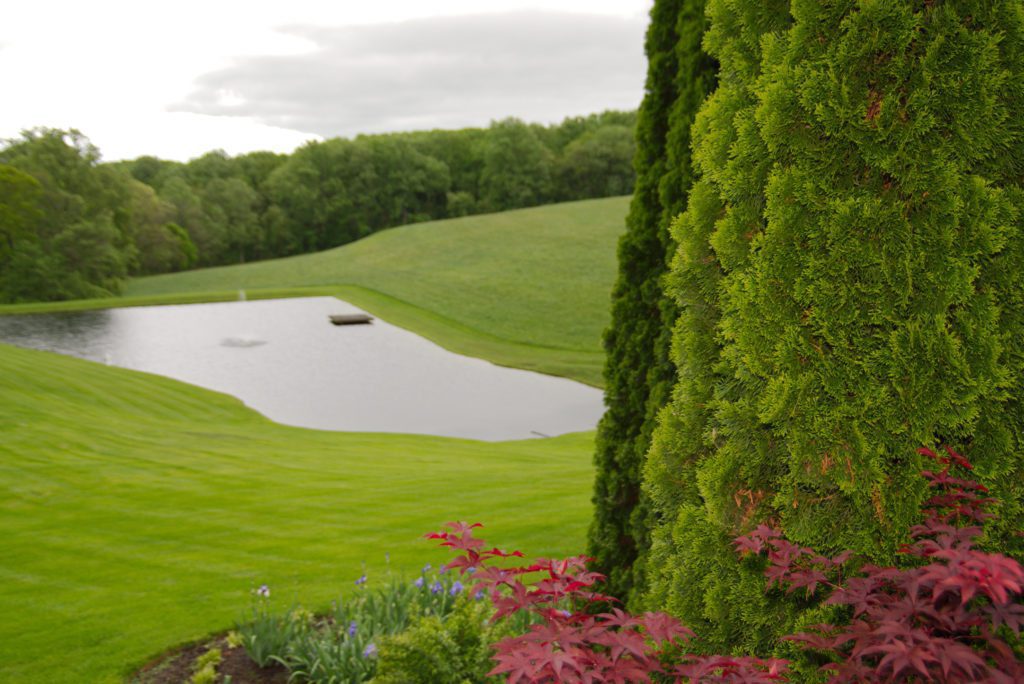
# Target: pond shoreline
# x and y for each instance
(284, 359)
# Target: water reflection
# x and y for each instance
(284, 359)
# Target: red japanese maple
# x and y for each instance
(951, 617)
(568, 643)
(942, 620)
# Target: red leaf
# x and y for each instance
(748, 544)
(662, 627)
(957, 458)
(1010, 614)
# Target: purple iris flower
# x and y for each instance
(435, 587)
(361, 580)
(370, 650)
(352, 628)
(419, 582)
(263, 591)
(456, 588)
(479, 594)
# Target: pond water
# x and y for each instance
(284, 359)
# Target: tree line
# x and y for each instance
(72, 226)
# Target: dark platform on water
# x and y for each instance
(351, 319)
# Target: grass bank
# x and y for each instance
(528, 288)
(137, 512)
(539, 276)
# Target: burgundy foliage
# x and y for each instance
(948, 618)
(569, 644)
(940, 621)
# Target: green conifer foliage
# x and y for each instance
(639, 373)
(850, 274)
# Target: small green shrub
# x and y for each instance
(450, 651)
(204, 670)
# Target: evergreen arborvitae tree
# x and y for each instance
(850, 276)
(638, 372)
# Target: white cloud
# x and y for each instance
(112, 68)
(438, 72)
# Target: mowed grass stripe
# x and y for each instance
(136, 512)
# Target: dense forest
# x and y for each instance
(72, 226)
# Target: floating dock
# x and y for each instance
(350, 319)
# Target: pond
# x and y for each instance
(284, 359)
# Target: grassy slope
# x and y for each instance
(136, 512)
(527, 288)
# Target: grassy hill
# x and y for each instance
(137, 512)
(527, 288)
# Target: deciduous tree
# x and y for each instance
(516, 167)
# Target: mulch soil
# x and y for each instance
(177, 667)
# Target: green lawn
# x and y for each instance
(137, 512)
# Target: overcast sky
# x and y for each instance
(178, 79)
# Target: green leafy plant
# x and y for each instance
(266, 635)
(343, 644)
(452, 650)
(204, 669)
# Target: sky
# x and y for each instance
(176, 80)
